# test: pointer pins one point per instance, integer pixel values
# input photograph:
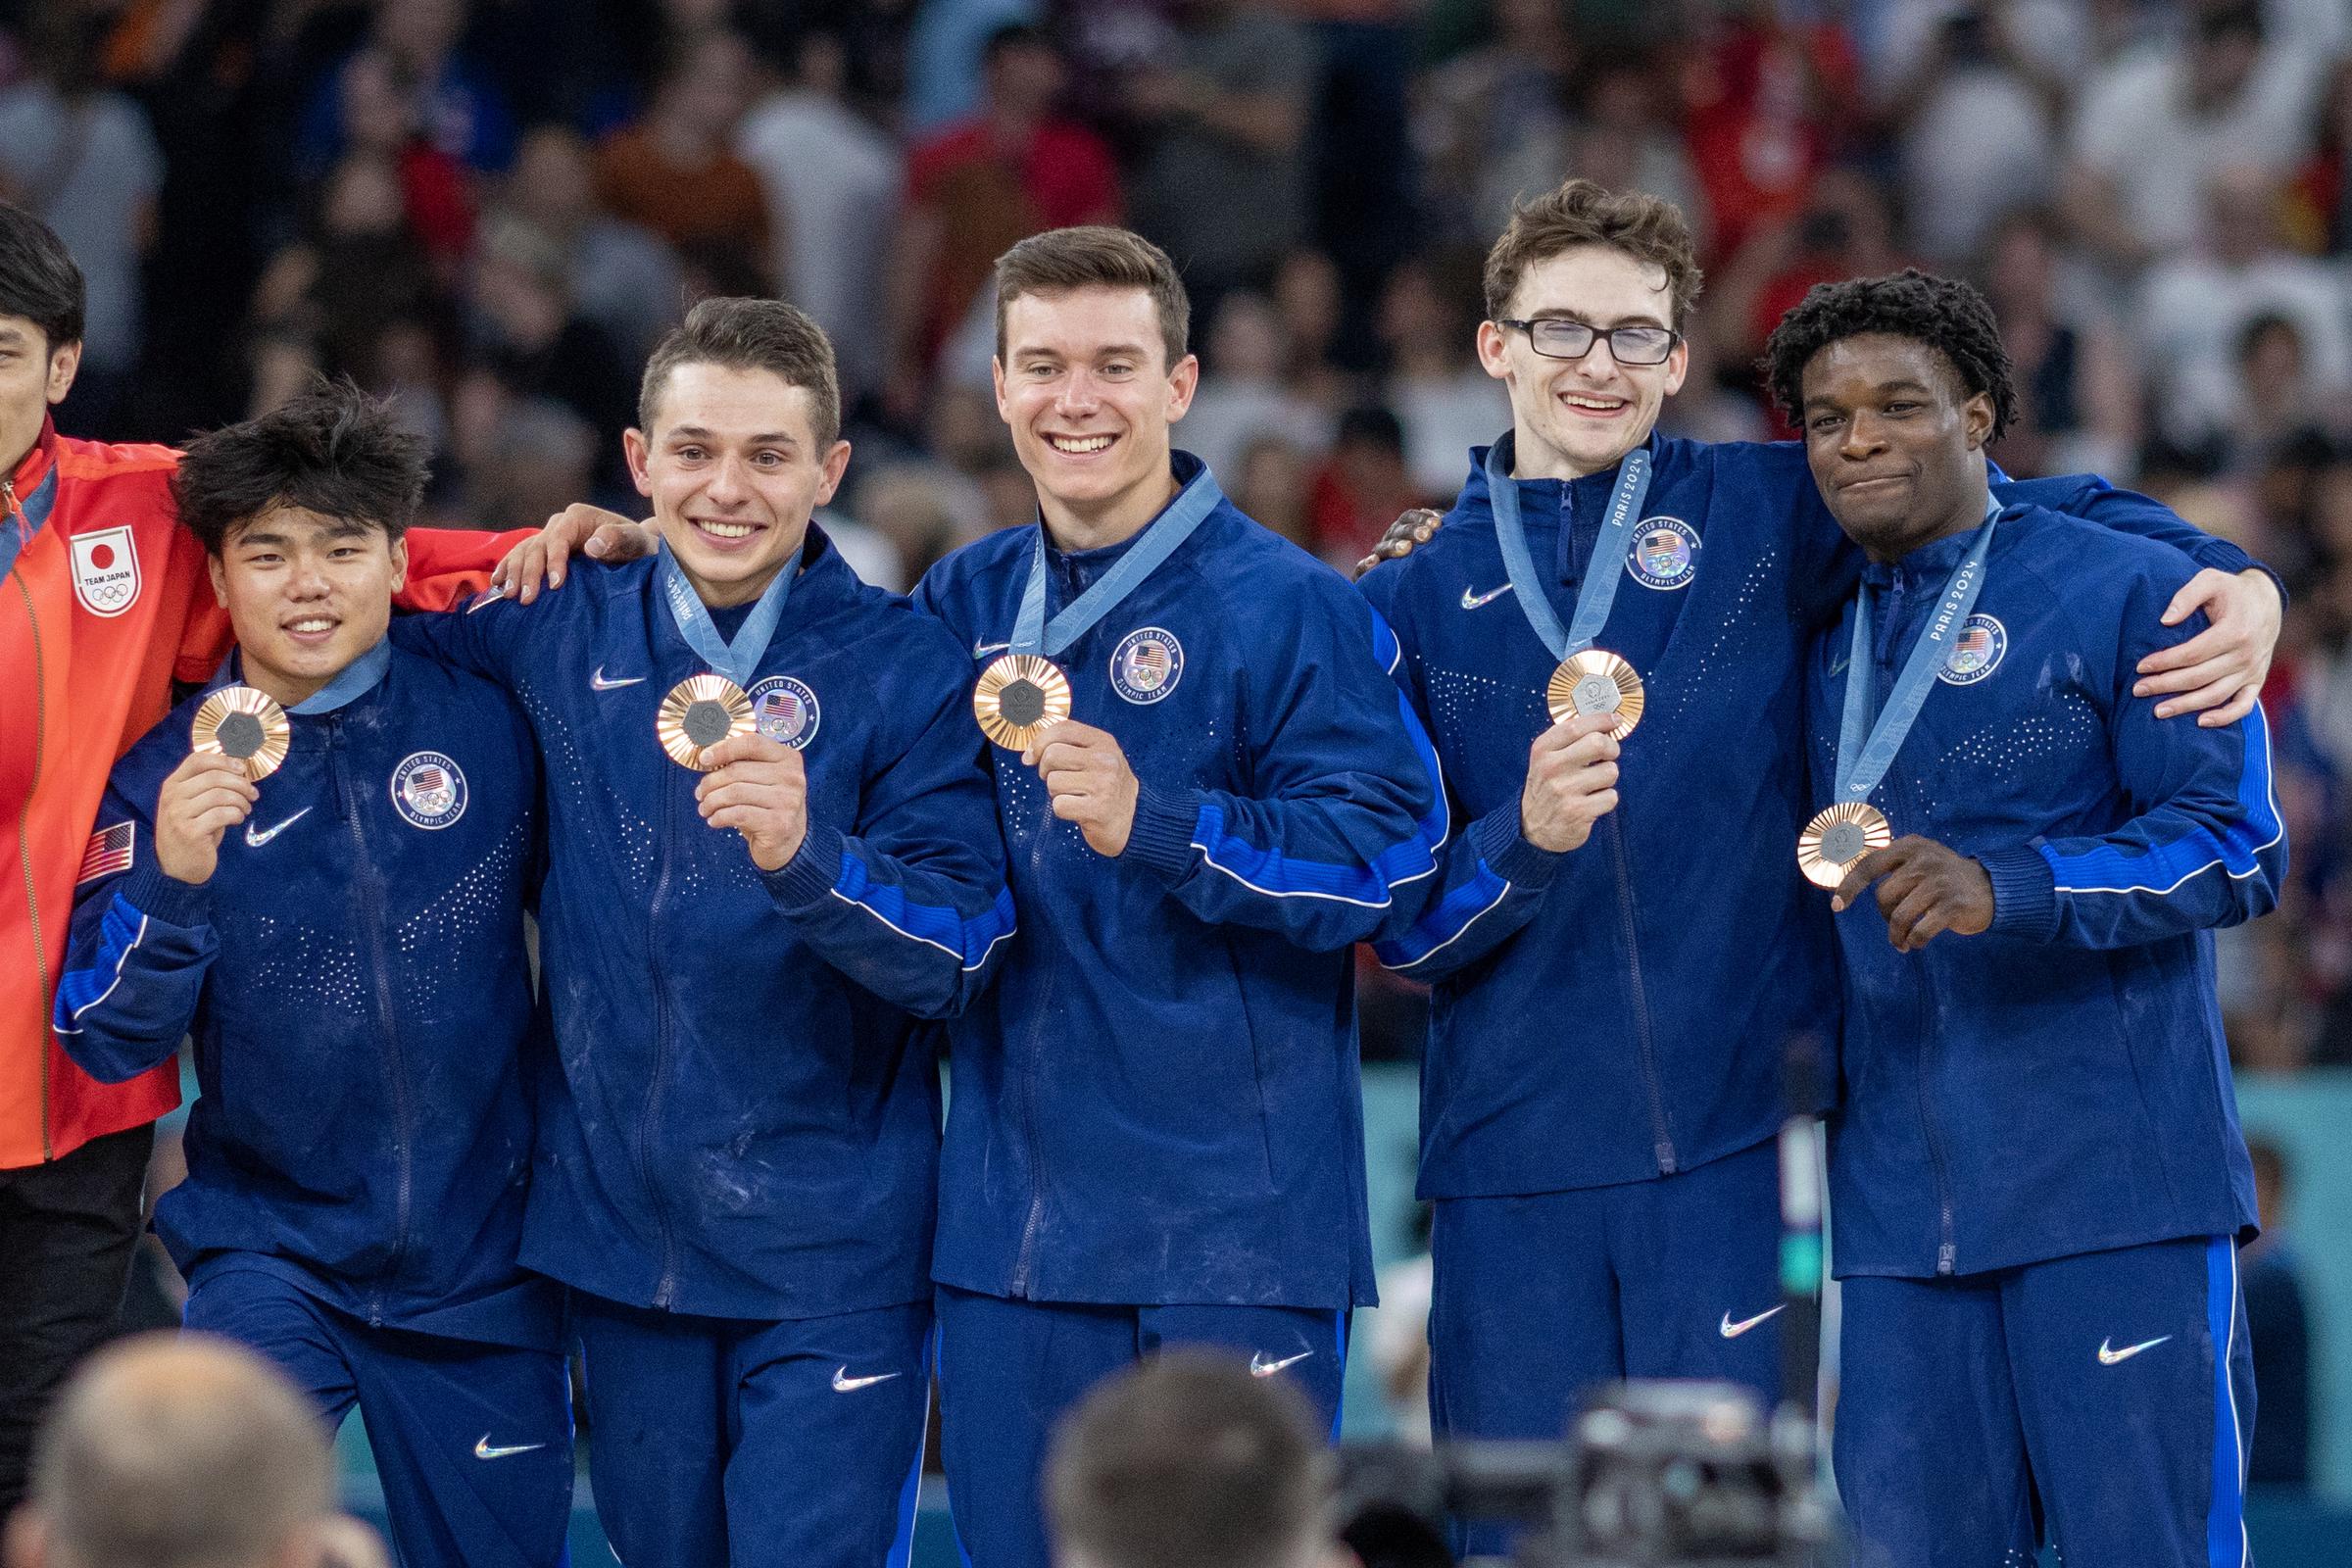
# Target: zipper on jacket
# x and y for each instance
(369, 884)
(667, 1288)
(33, 900)
(1030, 1226)
(1946, 1247)
(1662, 1136)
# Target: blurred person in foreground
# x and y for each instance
(184, 1451)
(2036, 1162)
(103, 601)
(1189, 1461)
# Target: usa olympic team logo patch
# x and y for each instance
(428, 790)
(1664, 554)
(1147, 664)
(784, 710)
(1976, 653)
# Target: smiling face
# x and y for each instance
(1897, 445)
(307, 595)
(734, 471)
(1084, 385)
(1570, 417)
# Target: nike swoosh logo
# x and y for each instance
(483, 1450)
(1838, 665)
(1470, 601)
(2108, 1357)
(983, 650)
(255, 840)
(1732, 1330)
(842, 1382)
(1260, 1368)
(598, 683)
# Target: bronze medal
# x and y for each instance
(245, 725)
(699, 712)
(1836, 838)
(1020, 696)
(1595, 682)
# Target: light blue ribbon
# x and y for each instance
(1861, 763)
(1032, 633)
(1599, 588)
(740, 659)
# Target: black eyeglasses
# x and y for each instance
(1557, 339)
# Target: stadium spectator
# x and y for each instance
(1188, 1461)
(833, 180)
(84, 160)
(675, 171)
(1271, 483)
(526, 328)
(619, 274)
(2195, 308)
(458, 105)
(2154, 127)
(1976, 95)
(1361, 486)
(1494, 122)
(1626, 138)
(172, 1451)
(977, 186)
(359, 270)
(1444, 398)
(379, 120)
(2320, 217)
(1306, 297)
(1221, 182)
(1765, 95)
(1242, 396)
(2078, 401)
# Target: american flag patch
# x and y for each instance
(108, 851)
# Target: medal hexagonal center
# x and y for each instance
(239, 736)
(1021, 702)
(706, 722)
(1597, 694)
(1842, 843)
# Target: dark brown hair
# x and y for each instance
(330, 449)
(750, 334)
(1649, 228)
(1095, 255)
(1189, 1460)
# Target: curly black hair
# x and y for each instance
(330, 449)
(1944, 312)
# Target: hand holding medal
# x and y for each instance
(1832, 848)
(244, 725)
(239, 736)
(699, 712)
(1087, 778)
(1020, 696)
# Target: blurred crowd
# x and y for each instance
(488, 210)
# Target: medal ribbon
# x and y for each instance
(1032, 633)
(1861, 763)
(1599, 588)
(740, 659)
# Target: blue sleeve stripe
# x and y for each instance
(1277, 875)
(1446, 921)
(2162, 867)
(1438, 822)
(967, 942)
(120, 933)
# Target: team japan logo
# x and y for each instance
(1976, 653)
(1147, 664)
(785, 710)
(106, 570)
(428, 790)
(1664, 554)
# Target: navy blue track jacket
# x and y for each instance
(1619, 1011)
(1160, 1103)
(747, 1120)
(2059, 1084)
(356, 981)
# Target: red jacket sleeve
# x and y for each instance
(449, 566)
